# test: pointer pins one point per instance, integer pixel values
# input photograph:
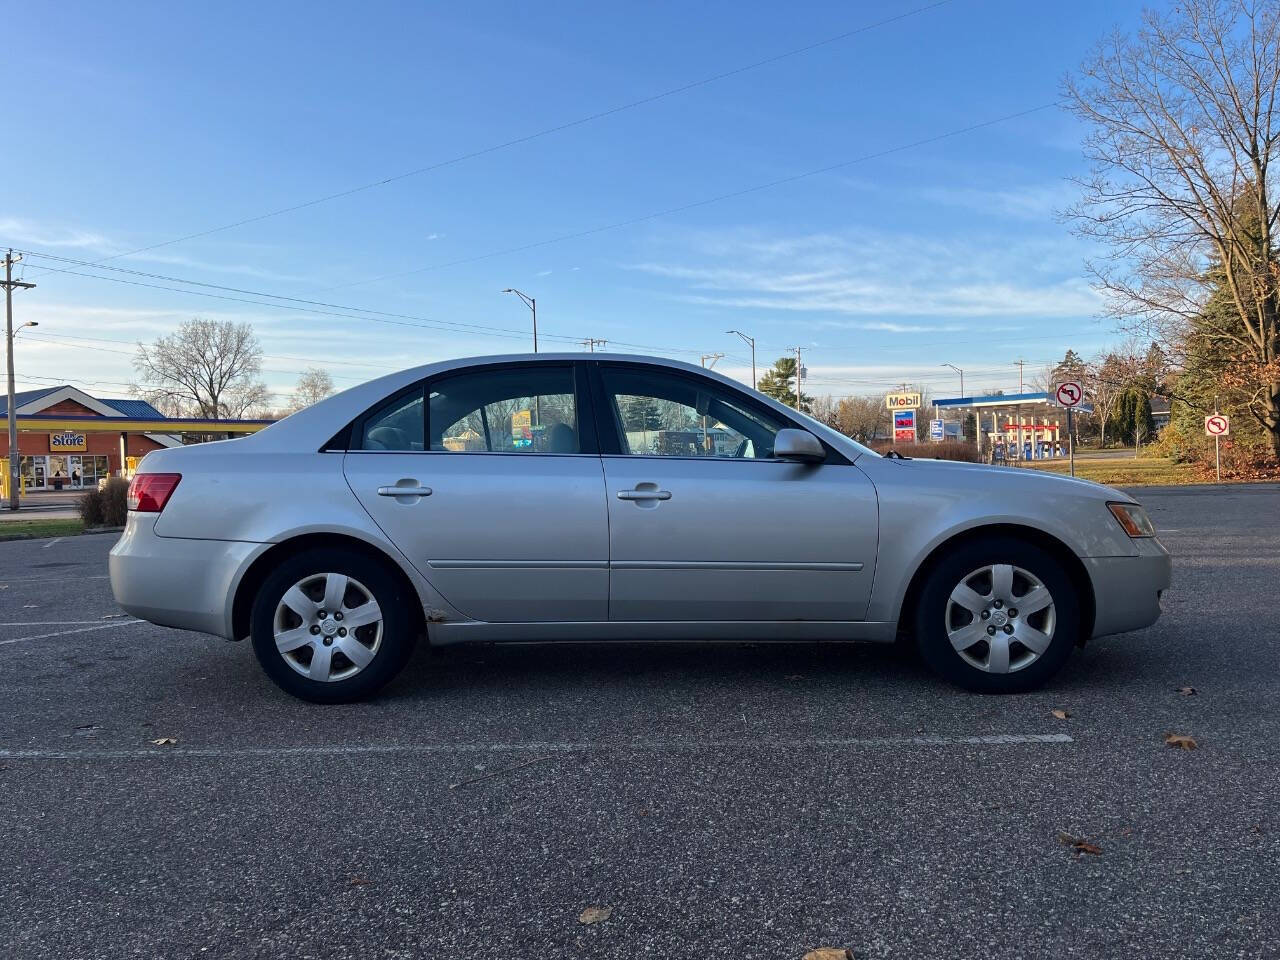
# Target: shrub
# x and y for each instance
(91, 508)
(947, 450)
(115, 506)
(107, 507)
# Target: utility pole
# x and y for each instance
(532, 304)
(15, 468)
(713, 357)
(1021, 363)
(750, 341)
(799, 368)
(590, 343)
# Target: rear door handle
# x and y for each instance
(644, 494)
(406, 491)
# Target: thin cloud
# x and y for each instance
(878, 277)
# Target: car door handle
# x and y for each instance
(644, 494)
(405, 491)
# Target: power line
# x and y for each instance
(527, 138)
(314, 306)
(781, 181)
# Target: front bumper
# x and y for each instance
(177, 582)
(1126, 590)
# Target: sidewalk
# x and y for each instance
(50, 506)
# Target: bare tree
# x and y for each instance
(313, 386)
(1183, 133)
(863, 418)
(208, 368)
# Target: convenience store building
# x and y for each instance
(69, 440)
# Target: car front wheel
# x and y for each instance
(998, 615)
(331, 626)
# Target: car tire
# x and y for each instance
(340, 655)
(970, 630)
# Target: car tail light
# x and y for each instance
(149, 492)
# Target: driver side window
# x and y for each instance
(666, 415)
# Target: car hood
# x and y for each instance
(980, 476)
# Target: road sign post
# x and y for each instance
(1217, 425)
(1070, 394)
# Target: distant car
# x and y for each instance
(571, 497)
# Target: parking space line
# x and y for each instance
(52, 579)
(52, 542)
(51, 623)
(64, 633)
(409, 749)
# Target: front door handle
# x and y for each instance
(644, 494)
(408, 489)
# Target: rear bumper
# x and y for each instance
(1127, 590)
(177, 582)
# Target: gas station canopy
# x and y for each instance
(1017, 426)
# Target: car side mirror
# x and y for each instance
(800, 445)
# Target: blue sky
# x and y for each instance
(132, 125)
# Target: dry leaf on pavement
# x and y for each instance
(165, 741)
(595, 914)
(1181, 741)
(829, 953)
(1060, 714)
(1187, 691)
(1079, 845)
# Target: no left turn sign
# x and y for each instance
(1069, 393)
(1217, 425)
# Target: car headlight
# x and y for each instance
(1133, 518)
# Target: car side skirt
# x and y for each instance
(756, 631)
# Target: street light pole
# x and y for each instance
(751, 342)
(532, 304)
(15, 473)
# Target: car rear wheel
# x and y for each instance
(998, 615)
(331, 626)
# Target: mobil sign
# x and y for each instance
(902, 401)
(904, 426)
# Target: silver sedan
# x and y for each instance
(562, 497)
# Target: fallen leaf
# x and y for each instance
(1079, 845)
(794, 676)
(829, 953)
(165, 741)
(1180, 740)
(595, 914)
(1060, 714)
(1187, 691)
(358, 880)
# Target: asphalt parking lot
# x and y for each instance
(728, 801)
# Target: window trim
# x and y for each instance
(587, 430)
(609, 429)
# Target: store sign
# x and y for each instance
(68, 442)
(902, 401)
(937, 431)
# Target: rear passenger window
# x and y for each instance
(529, 410)
(399, 424)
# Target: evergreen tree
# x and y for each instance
(779, 382)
